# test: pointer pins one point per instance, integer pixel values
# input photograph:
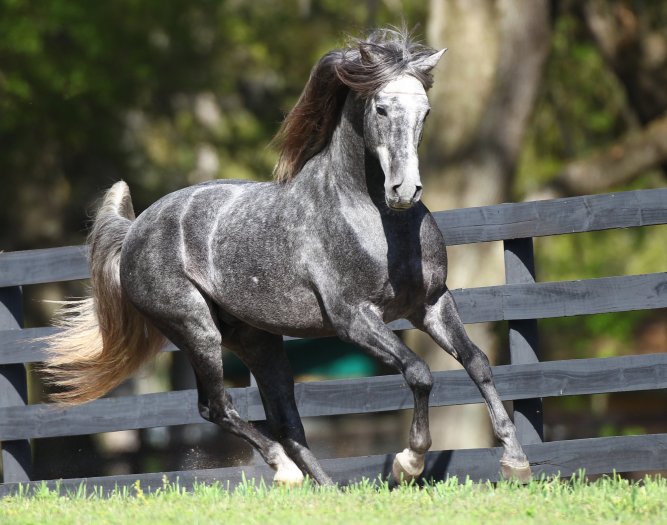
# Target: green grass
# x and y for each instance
(607, 500)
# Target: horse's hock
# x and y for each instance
(525, 382)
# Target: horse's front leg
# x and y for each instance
(364, 327)
(442, 322)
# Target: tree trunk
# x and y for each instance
(481, 103)
(633, 40)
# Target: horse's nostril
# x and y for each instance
(395, 188)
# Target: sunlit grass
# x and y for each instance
(607, 500)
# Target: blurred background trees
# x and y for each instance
(534, 99)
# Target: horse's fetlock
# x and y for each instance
(421, 445)
(204, 411)
(224, 416)
(277, 456)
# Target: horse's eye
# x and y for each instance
(381, 110)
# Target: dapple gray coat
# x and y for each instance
(340, 245)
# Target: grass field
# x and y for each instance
(607, 500)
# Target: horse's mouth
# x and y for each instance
(400, 205)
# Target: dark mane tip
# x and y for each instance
(365, 66)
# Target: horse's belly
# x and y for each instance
(279, 309)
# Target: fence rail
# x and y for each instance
(339, 397)
(525, 381)
(476, 305)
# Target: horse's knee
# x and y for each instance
(478, 366)
(418, 376)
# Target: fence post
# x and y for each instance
(16, 455)
(523, 339)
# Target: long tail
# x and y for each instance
(104, 338)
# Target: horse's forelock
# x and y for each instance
(370, 64)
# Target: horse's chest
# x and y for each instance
(387, 273)
(397, 268)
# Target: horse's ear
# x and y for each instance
(369, 53)
(427, 63)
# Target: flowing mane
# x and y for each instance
(364, 67)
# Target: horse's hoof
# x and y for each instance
(288, 476)
(407, 466)
(517, 471)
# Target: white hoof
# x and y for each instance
(408, 465)
(517, 471)
(288, 474)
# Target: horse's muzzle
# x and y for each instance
(403, 196)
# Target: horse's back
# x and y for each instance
(164, 226)
(231, 241)
(172, 236)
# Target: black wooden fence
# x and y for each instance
(521, 302)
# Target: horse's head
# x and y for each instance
(385, 77)
(393, 126)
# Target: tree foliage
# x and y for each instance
(162, 94)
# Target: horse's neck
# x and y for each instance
(344, 166)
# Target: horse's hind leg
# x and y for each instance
(264, 355)
(442, 322)
(191, 325)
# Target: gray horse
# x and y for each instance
(339, 244)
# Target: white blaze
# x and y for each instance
(407, 93)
